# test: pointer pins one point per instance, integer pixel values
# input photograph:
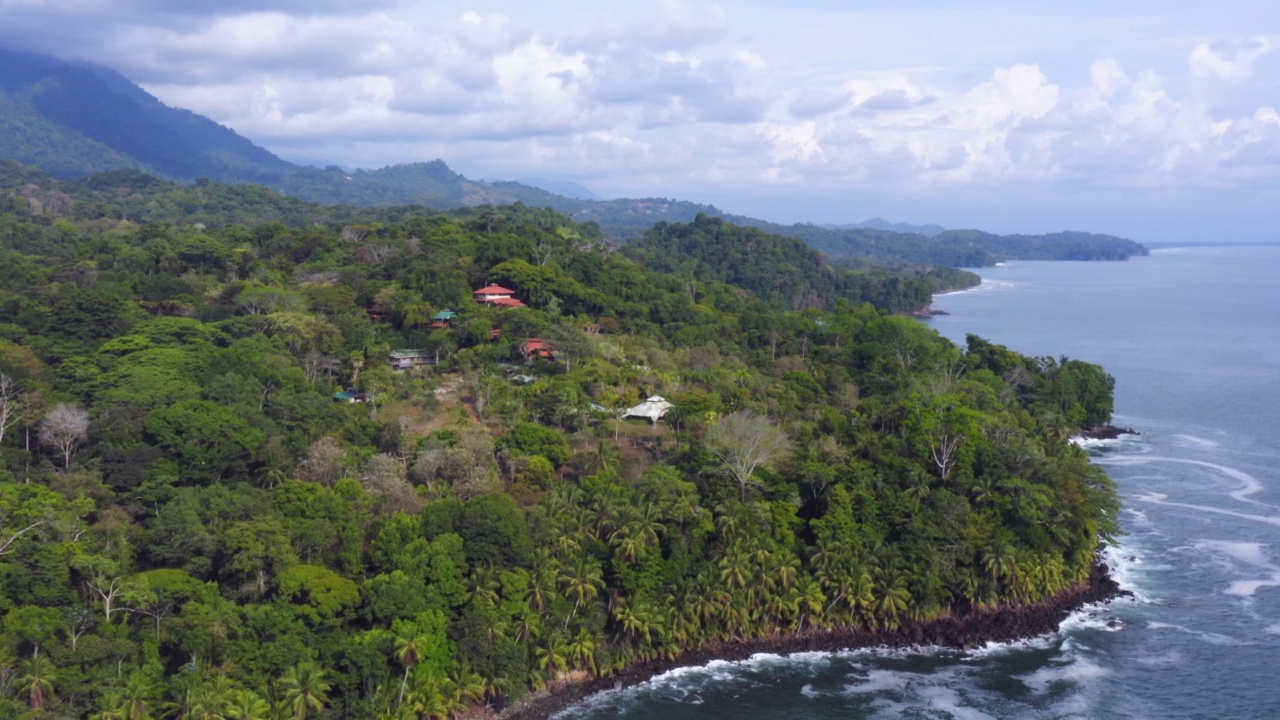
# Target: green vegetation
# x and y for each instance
(783, 270)
(191, 526)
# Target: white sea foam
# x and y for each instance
(1137, 517)
(1248, 552)
(1098, 443)
(1127, 568)
(1209, 637)
(995, 649)
(987, 285)
(1249, 485)
(1193, 441)
(1252, 554)
(878, 681)
(1162, 499)
(1173, 657)
(1075, 672)
(1273, 629)
(947, 700)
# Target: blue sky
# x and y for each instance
(1154, 120)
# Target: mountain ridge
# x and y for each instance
(77, 119)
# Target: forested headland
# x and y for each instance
(218, 499)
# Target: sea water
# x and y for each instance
(1192, 336)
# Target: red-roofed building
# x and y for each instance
(497, 295)
(537, 348)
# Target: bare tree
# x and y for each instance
(384, 478)
(744, 441)
(9, 395)
(64, 428)
(323, 463)
(944, 452)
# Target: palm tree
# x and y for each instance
(114, 707)
(136, 691)
(409, 653)
(469, 685)
(486, 586)
(542, 589)
(734, 570)
(894, 599)
(429, 697)
(1001, 564)
(551, 656)
(810, 601)
(787, 571)
(209, 699)
(636, 621)
(38, 681)
(628, 546)
(246, 705)
(582, 582)
(528, 624)
(305, 689)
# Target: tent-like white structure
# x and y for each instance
(653, 408)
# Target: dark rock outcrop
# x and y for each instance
(1106, 432)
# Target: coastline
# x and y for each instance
(1003, 624)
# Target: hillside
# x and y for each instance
(219, 494)
(784, 270)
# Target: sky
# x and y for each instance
(1158, 121)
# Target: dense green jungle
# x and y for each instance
(220, 499)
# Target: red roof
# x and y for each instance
(506, 302)
(536, 344)
(494, 290)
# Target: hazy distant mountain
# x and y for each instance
(74, 118)
(901, 227)
(567, 188)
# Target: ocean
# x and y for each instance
(1192, 336)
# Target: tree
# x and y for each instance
(209, 440)
(246, 705)
(64, 428)
(323, 463)
(9, 400)
(409, 652)
(744, 441)
(37, 681)
(305, 689)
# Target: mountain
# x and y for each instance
(901, 227)
(75, 119)
(567, 188)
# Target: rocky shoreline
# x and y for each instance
(1106, 432)
(970, 631)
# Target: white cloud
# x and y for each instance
(676, 95)
(1211, 60)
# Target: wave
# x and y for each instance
(1249, 553)
(1210, 637)
(1162, 499)
(987, 285)
(1249, 485)
(1196, 442)
(1102, 443)
(1076, 671)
